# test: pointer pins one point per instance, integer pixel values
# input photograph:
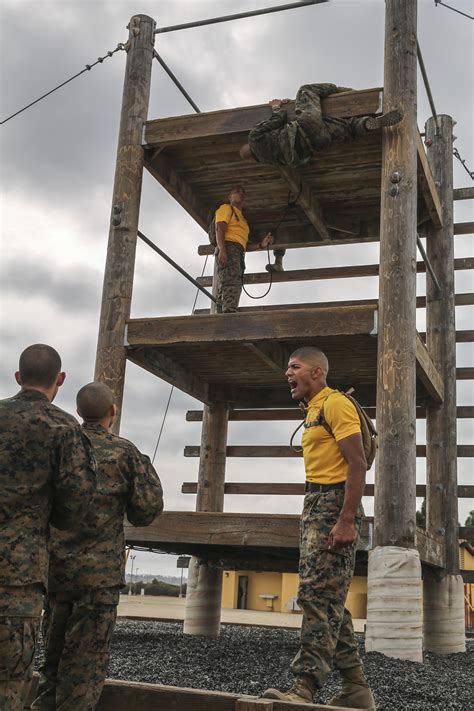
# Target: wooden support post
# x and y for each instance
(204, 592)
(395, 503)
(120, 264)
(394, 566)
(443, 601)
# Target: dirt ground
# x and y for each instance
(172, 608)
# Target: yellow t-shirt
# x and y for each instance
(237, 226)
(323, 460)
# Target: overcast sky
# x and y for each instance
(58, 162)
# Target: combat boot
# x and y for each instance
(278, 265)
(301, 692)
(389, 119)
(355, 693)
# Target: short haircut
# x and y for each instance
(94, 401)
(237, 188)
(312, 356)
(39, 365)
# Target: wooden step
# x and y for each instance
(275, 450)
(294, 413)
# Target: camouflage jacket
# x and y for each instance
(93, 555)
(274, 141)
(47, 474)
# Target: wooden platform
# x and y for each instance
(243, 541)
(241, 358)
(196, 159)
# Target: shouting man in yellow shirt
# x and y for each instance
(232, 237)
(335, 479)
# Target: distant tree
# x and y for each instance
(421, 515)
(470, 519)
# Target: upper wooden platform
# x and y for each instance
(196, 159)
(241, 358)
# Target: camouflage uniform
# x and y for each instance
(87, 571)
(230, 278)
(279, 141)
(47, 475)
(327, 634)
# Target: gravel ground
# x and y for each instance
(247, 660)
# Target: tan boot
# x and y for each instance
(355, 693)
(389, 119)
(301, 692)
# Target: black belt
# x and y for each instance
(319, 488)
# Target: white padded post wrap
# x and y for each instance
(394, 603)
(203, 600)
(443, 614)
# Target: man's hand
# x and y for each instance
(267, 241)
(222, 257)
(342, 534)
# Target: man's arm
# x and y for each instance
(75, 478)
(146, 499)
(267, 241)
(221, 228)
(344, 532)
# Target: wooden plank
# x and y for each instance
(276, 450)
(306, 198)
(241, 120)
(293, 413)
(297, 489)
(466, 299)
(255, 704)
(427, 372)
(356, 271)
(466, 336)
(174, 183)
(163, 367)
(463, 194)
(427, 184)
(250, 327)
(120, 262)
(272, 354)
(467, 532)
(432, 549)
(137, 696)
(463, 228)
(464, 373)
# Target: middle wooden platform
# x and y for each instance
(241, 358)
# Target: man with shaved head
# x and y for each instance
(87, 564)
(335, 479)
(47, 476)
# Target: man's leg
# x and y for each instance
(20, 609)
(309, 115)
(325, 577)
(85, 656)
(54, 629)
(230, 278)
(278, 265)
(365, 124)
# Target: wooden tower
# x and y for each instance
(384, 186)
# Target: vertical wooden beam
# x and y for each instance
(395, 502)
(120, 264)
(204, 591)
(441, 468)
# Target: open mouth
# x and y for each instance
(293, 385)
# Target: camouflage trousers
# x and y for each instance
(230, 279)
(327, 634)
(77, 631)
(20, 613)
(319, 132)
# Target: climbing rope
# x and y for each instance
(87, 68)
(172, 387)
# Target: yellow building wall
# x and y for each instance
(283, 587)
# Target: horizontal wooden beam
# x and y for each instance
(467, 532)
(463, 194)
(227, 122)
(463, 228)
(294, 413)
(250, 327)
(432, 550)
(427, 184)
(298, 489)
(428, 373)
(464, 373)
(466, 299)
(275, 450)
(355, 271)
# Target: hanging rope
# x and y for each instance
(172, 387)
(87, 68)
